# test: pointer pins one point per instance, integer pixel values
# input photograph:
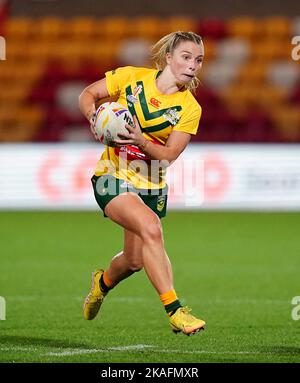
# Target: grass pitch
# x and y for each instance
(238, 271)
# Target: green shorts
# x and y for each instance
(107, 187)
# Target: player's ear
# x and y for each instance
(168, 57)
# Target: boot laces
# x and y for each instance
(186, 311)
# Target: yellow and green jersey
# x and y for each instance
(158, 115)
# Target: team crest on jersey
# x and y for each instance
(133, 97)
(161, 201)
(171, 115)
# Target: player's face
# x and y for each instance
(185, 61)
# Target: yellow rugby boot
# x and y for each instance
(95, 297)
(183, 321)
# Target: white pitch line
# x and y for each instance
(101, 350)
(18, 349)
(75, 352)
(137, 347)
(156, 350)
(132, 347)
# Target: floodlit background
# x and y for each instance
(234, 243)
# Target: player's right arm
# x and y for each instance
(88, 98)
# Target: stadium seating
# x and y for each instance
(19, 28)
(49, 29)
(82, 29)
(287, 121)
(283, 74)
(276, 27)
(250, 86)
(212, 28)
(244, 27)
(112, 28)
(147, 27)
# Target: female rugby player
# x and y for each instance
(129, 181)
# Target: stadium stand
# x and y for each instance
(250, 86)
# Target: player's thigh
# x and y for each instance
(129, 211)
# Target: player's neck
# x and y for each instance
(166, 82)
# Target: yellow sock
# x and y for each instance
(170, 301)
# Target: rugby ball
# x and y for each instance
(110, 120)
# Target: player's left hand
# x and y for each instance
(134, 136)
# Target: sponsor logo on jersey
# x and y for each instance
(171, 115)
(131, 153)
(133, 97)
(154, 102)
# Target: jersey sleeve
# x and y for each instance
(189, 121)
(116, 79)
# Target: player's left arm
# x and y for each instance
(175, 144)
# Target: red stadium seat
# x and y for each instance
(212, 28)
